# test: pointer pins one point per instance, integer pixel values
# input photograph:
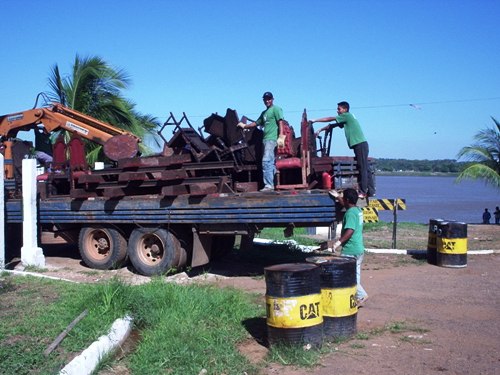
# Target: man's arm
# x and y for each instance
(343, 239)
(324, 119)
(246, 126)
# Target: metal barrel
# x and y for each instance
(293, 298)
(338, 295)
(452, 244)
(432, 240)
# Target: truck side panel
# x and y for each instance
(304, 208)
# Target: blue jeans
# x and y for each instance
(268, 167)
(360, 291)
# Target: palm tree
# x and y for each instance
(485, 155)
(95, 88)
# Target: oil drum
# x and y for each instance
(432, 240)
(452, 244)
(293, 298)
(338, 295)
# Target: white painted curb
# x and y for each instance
(25, 273)
(87, 361)
(423, 252)
(308, 249)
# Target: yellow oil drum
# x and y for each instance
(452, 244)
(293, 304)
(432, 240)
(338, 295)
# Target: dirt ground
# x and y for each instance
(448, 318)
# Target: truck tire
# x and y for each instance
(221, 246)
(102, 248)
(154, 251)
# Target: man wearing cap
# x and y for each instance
(356, 141)
(272, 122)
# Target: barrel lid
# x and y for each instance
(321, 259)
(331, 259)
(290, 267)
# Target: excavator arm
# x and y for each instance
(118, 143)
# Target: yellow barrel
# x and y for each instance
(452, 244)
(293, 299)
(432, 240)
(338, 295)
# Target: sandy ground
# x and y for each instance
(449, 316)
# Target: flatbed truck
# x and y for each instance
(180, 208)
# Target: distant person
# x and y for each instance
(356, 141)
(497, 215)
(351, 237)
(486, 216)
(43, 147)
(272, 121)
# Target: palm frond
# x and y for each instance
(96, 88)
(485, 154)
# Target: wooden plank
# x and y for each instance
(64, 333)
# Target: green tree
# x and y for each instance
(95, 88)
(485, 155)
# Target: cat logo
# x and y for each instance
(310, 311)
(352, 301)
(449, 245)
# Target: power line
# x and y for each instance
(416, 105)
(413, 104)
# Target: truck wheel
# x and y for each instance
(102, 248)
(153, 251)
(221, 245)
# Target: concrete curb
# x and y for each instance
(24, 273)
(87, 361)
(424, 252)
(308, 249)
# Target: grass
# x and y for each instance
(34, 311)
(409, 333)
(287, 355)
(183, 329)
(376, 235)
(408, 235)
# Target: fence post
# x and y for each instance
(31, 254)
(394, 223)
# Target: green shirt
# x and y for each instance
(269, 120)
(352, 129)
(353, 219)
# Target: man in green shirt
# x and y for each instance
(272, 121)
(356, 141)
(351, 237)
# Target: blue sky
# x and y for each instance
(201, 57)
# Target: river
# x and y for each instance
(438, 198)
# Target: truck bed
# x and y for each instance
(265, 209)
